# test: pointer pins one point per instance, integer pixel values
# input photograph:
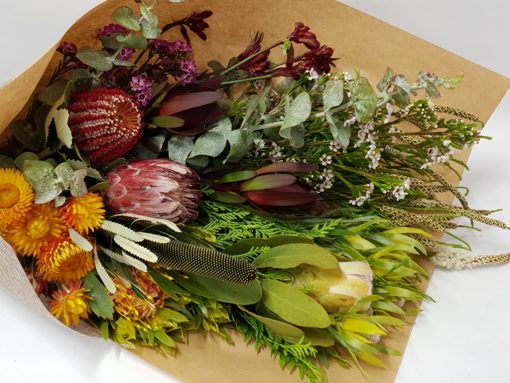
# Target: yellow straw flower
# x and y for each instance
(85, 214)
(61, 260)
(27, 236)
(16, 196)
(69, 303)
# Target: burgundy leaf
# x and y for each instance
(288, 167)
(282, 199)
(179, 103)
(268, 181)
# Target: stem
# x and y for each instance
(245, 80)
(235, 66)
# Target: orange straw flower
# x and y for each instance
(85, 214)
(69, 303)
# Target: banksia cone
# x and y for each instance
(156, 188)
(210, 263)
(105, 123)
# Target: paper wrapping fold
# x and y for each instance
(361, 42)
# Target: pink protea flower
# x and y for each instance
(157, 188)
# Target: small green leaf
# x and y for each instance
(318, 337)
(25, 133)
(101, 303)
(228, 292)
(361, 326)
(333, 94)
(214, 141)
(340, 132)
(364, 99)
(63, 131)
(179, 148)
(127, 18)
(162, 336)
(105, 330)
(172, 315)
(6, 162)
(132, 41)
(52, 93)
(384, 84)
(268, 181)
(278, 327)
(295, 254)
(99, 60)
(228, 197)
(247, 244)
(297, 113)
(149, 23)
(293, 306)
(168, 286)
(26, 156)
(168, 122)
(240, 142)
(241, 175)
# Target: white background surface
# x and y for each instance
(462, 338)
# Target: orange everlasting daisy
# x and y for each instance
(69, 303)
(84, 214)
(61, 260)
(16, 197)
(27, 236)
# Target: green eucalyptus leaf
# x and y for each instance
(26, 134)
(36, 170)
(26, 156)
(364, 99)
(149, 23)
(384, 84)
(101, 303)
(199, 161)
(99, 60)
(127, 18)
(78, 187)
(228, 292)
(294, 254)
(340, 132)
(179, 148)
(214, 141)
(297, 112)
(293, 306)
(52, 93)
(333, 94)
(132, 41)
(240, 142)
(401, 93)
(278, 327)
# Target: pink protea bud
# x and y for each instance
(157, 188)
(105, 123)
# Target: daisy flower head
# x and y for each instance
(16, 196)
(85, 214)
(28, 235)
(61, 260)
(69, 303)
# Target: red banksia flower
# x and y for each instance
(157, 188)
(105, 123)
(270, 186)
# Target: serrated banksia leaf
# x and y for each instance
(157, 188)
(105, 124)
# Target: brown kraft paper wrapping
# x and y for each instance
(361, 42)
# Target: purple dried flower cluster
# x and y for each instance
(141, 86)
(67, 48)
(126, 54)
(175, 59)
(189, 71)
(111, 29)
(169, 48)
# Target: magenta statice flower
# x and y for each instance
(111, 29)
(181, 47)
(188, 68)
(126, 54)
(67, 48)
(141, 85)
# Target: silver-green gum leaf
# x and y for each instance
(364, 99)
(333, 94)
(126, 17)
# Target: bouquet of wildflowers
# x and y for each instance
(285, 200)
